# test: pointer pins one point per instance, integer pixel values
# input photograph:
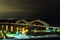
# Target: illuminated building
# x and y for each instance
(28, 28)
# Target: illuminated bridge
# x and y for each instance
(35, 27)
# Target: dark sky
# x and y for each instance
(47, 10)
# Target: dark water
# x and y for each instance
(51, 38)
(54, 38)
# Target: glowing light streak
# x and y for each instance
(6, 28)
(11, 28)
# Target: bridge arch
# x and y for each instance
(39, 22)
(22, 21)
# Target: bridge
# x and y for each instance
(24, 26)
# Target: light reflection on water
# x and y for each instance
(31, 36)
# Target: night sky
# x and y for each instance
(46, 10)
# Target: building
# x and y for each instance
(35, 27)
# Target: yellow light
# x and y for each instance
(23, 31)
(20, 28)
(0, 31)
(2, 35)
(6, 28)
(38, 30)
(26, 30)
(11, 28)
(35, 31)
(17, 29)
(2, 27)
